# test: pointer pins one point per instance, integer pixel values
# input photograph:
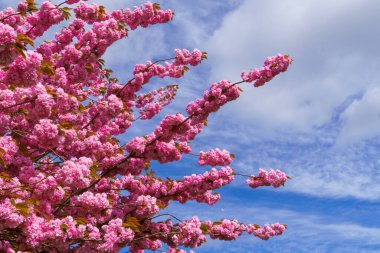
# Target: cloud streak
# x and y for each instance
(333, 57)
(307, 232)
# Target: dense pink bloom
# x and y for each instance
(194, 187)
(67, 181)
(8, 147)
(153, 102)
(191, 233)
(96, 201)
(226, 230)
(88, 13)
(136, 145)
(115, 235)
(143, 16)
(215, 157)
(274, 178)
(267, 231)
(39, 22)
(9, 17)
(272, 67)
(219, 94)
(24, 71)
(46, 133)
(184, 57)
(146, 206)
(75, 173)
(9, 218)
(7, 33)
(176, 69)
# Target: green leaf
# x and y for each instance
(2, 160)
(100, 63)
(204, 55)
(156, 7)
(22, 207)
(64, 227)
(66, 125)
(256, 226)
(47, 68)
(50, 91)
(160, 204)
(20, 49)
(103, 90)
(5, 176)
(204, 228)
(23, 38)
(81, 221)
(14, 245)
(31, 6)
(93, 171)
(132, 223)
(101, 11)
(81, 108)
(66, 12)
(33, 201)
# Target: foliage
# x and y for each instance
(66, 182)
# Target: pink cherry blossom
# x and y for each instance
(73, 177)
(274, 178)
(215, 157)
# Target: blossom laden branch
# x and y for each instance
(63, 173)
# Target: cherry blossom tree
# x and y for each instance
(67, 184)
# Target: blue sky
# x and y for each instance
(319, 121)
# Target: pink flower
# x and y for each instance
(272, 67)
(215, 157)
(267, 231)
(7, 34)
(68, 179)
(274, 178)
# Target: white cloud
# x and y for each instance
(361, 118)
(307, 232)
(333, 58)
(316, 167)
(320, 170)
(333, 46)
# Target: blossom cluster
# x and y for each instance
(194, 187)
(274, 178)
(215, 157)
(148, 14)
(7, 52)
(272, 67)
(67, 183)
(175, 69)
(267, 231)
(151, 104)
(219, 94)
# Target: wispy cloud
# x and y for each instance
(311, 159)
(362, 118)
(333, 56)
(327, 99)
(307, 232)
